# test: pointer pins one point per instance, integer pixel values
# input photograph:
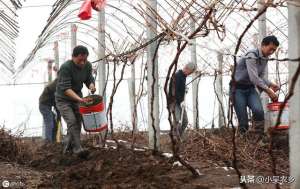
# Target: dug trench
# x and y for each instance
(39, 165)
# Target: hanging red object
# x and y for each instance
(98, 4)
(85, 11)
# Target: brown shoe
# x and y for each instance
(257, 127)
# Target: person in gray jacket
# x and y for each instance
(250, 73)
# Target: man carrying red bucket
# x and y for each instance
(249, 74)
(73, 73)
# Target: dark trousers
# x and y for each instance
(184, 122)
(70, 112)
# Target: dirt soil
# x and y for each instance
(32, 164)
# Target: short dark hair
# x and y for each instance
(80, 50)
(270, 39)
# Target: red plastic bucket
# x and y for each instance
(273, 109)
(94, 116)
(96, 108)
(85, 11)
(98, 4)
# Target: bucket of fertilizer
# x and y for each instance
(273, 110)
(93, 114)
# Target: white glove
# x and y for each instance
(182, 104)
(186, 90)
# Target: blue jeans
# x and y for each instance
(49, 121)
(242, 99)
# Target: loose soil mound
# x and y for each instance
(44, 166)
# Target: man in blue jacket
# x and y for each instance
(46, 103)
(177, 89)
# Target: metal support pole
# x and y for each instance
(56, 57)
(262, 32)
(195, 86)
(49, 67)
(262, 26)
(101, 53)
(152, 70)
(49, 70)
(132, 99)
(221, 121)
(294, 103)
(56, 68)
(73, 36)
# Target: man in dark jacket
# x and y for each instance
(73, 73)
(179, 94)
(46, 103)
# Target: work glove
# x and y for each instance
(182, 104)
